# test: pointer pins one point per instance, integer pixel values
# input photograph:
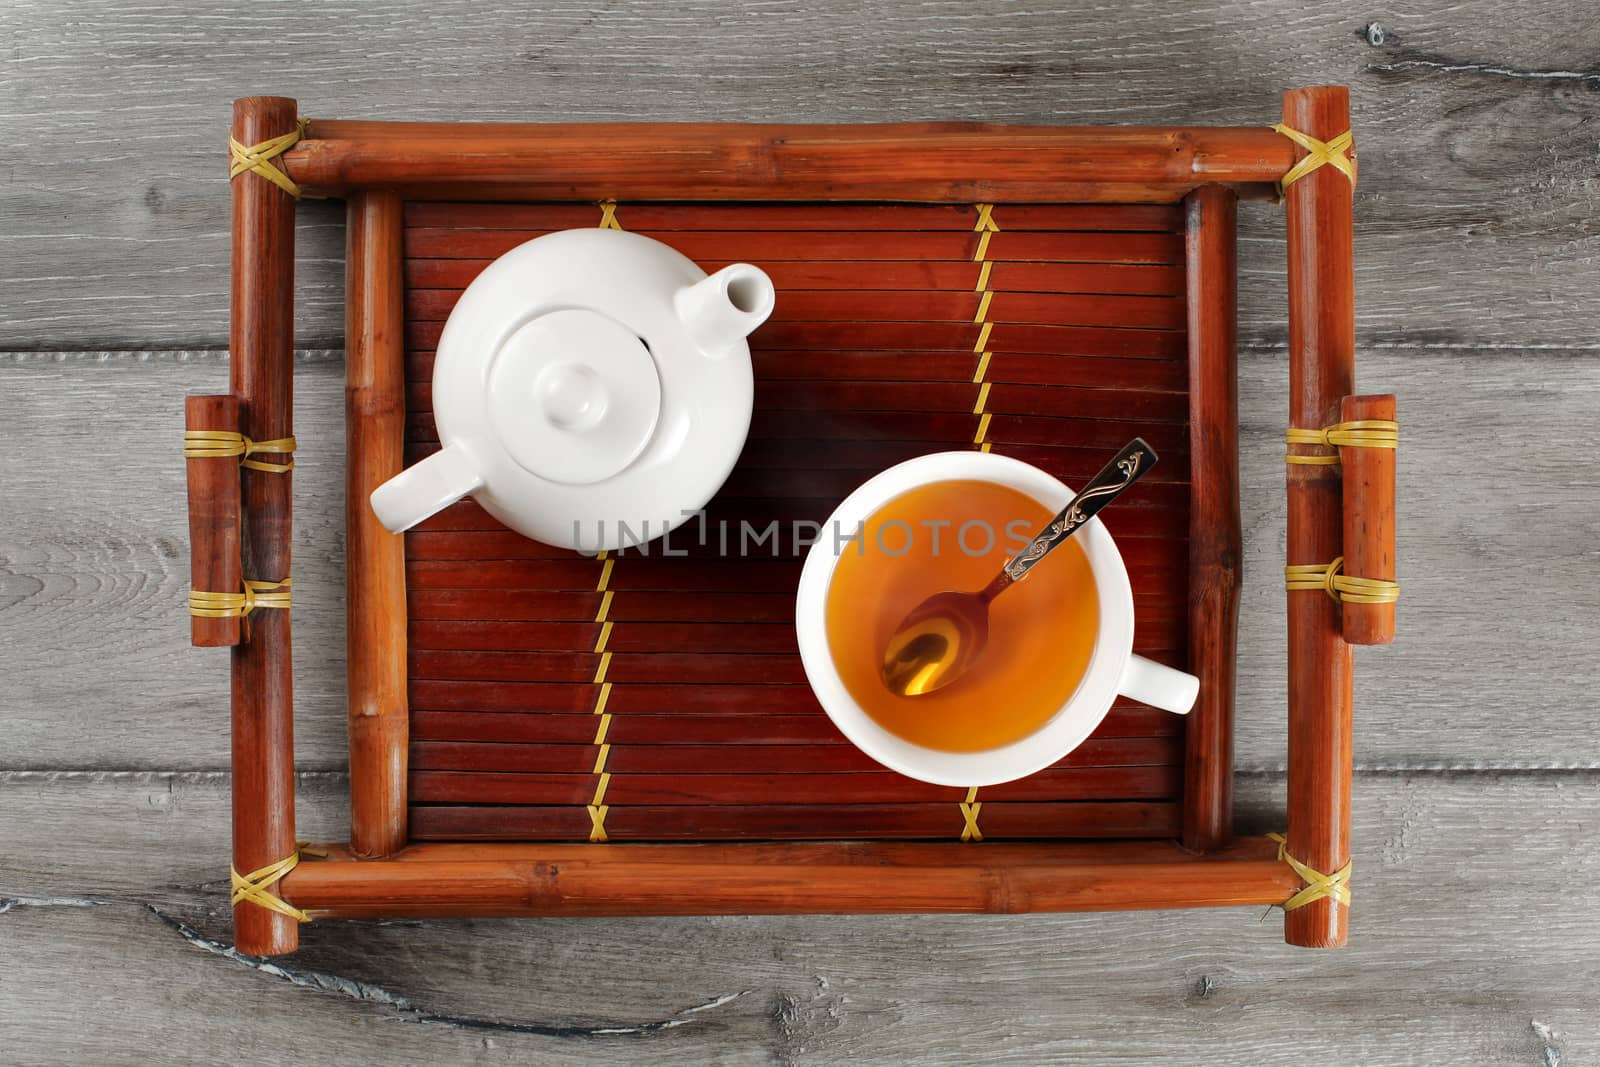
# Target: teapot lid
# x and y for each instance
(573, 396)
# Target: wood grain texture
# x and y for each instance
(112, 939)
(94, 574)
(99, 673)
(1470, 136)
(1474, 243)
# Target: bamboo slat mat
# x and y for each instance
(899, 330)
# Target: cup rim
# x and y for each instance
(1065, 730)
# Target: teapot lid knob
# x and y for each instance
(572, 396)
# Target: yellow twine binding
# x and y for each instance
(256, 887)
(207, 605)
(1343, 588)
(258, 158)
(1318, 885)
(1320, 153)
(1363, 433)
(985, 226)
(969, 816)
(217, 444)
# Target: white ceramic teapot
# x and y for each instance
(592, 390)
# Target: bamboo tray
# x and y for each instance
(536, 732)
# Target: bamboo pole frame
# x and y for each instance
(955, 162)
(1215, 541)
(380, 165)
(1322, 326)
(375, 592)
(261, 375)
(440, 880)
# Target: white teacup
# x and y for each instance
(1113, 668)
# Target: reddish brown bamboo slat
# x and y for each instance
(655, 698)
(1214, 526)
(851, 217)
(654, 717)
(1111, 278)
(214, 519)
(930, 431)
(1134, 524)
(892, 276)
(764, 727)
(1369, 514)
(828, 305)
(1131, 342)
(1321, 373)
(261, 373)
(779, 822)
(626, 790)
(752, 759)
(783, 878)
(687, 575)
(870, 247)
(863, 458)
(716, 246)
(541, 636)
(375, 597)
(477, 604)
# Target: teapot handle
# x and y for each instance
(425, 488)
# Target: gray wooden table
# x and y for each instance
(1475, 935)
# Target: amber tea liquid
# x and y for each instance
(1041, 631)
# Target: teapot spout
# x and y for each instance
(722, 310)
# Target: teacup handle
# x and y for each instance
(1158, 685)
(425, 488)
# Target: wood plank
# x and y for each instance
(106, 559)
(94, 577)
(136, 872)
(1443, 84)
(121, 242)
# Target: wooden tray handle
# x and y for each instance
(1368, 520)
(214, 560)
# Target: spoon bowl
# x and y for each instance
(936, 642)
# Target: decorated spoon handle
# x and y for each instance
(1127, 467)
